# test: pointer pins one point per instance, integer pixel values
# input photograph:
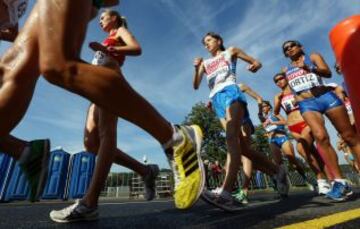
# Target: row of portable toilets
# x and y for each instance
(68, 178)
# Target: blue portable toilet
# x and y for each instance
(82, 168)
(57, 177)
(18, 187)
(6, 165)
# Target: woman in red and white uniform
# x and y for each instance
(101, 125)
(300, 131)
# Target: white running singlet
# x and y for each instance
(220, 72)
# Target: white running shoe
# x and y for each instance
(73, 213)
(323, 187)
(224, 201)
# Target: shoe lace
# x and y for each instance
(71, 208)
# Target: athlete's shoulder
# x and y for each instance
(232, 50)
(279, 95)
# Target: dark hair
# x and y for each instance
(297, 43)
(266, 103)
(278, 74)
(217, 37)
(120, 20)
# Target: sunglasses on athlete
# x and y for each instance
(289, 46)
(278, 79)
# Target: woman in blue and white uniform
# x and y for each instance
(304, 75)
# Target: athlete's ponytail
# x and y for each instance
(217, 37)
(120, 20)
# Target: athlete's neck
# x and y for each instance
(216, 52)
(113, 31)
(287, 90)
(297, 58)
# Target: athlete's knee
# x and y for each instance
(18, 68)
(232, 135)
(57, 73)
(321, 137)
(350, 138)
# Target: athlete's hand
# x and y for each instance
(96, 46)
(197, 62)
(256, 65)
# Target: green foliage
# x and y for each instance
(214, 147)
(260, 141)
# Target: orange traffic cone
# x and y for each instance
(345, 41)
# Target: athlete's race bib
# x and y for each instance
(270, 128)
(217, 70)
(102, 59)
(300, 80)
(288, 102)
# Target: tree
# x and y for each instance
(260, 141)
(214, 146)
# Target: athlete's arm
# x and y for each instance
(131, 47)
(339, 91)
(246, 89)
(198, 73)
(281, 121)
(322, 69)
(277, 104)
(254, 64)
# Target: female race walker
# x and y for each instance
(300, 131)
(100, 129)
(304, 75)
(50, 44)
(229, 104)
(274, 125)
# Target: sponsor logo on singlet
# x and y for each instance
(300, 80)
(289, 103)
(217, 69)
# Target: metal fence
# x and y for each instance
(130, 185)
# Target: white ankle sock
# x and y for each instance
(175, 138)
(342, 181)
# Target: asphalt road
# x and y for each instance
(264, 211)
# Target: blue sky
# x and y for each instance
(170, 34)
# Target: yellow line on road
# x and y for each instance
(326, 221)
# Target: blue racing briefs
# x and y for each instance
(320, 104)
(227, 96)
(279, 140)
